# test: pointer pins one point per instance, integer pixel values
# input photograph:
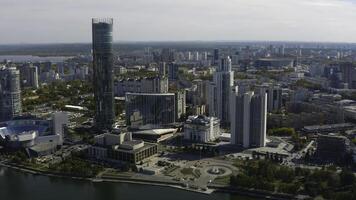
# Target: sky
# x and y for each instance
(69, 21)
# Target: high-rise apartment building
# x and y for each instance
(220, 90)
(180, 103)
(10, 93)
(274, 96)
(249, 119)
(103, 73)
(29, 76)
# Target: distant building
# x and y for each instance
(167, 55)
(249, 119)
(162, 68)
(274, 97)
(145, 108)
(180, 103)
(29, 76)
(220, 90)
(202, 129)
(103, 73)
(281, 50)
(173, 70)
(327, 128)
(60, 68)
(141, 85)
(216, 56)
(274, 62)
(200, 92)
(348, 73)
(339, 151)
(10, 93)
(81, 72)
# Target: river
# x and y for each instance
(15, 185)
(30, 58)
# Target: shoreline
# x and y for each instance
(213, 188)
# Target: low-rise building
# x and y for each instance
(202, 129)
(339, 151)
(120, 148)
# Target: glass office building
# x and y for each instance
(10, 93)
(144, 108)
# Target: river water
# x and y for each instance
(15, 185)
(30, 58)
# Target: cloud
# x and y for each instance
(43, 21)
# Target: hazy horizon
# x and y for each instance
(180, 41)
(64, 21)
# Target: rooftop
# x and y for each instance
(156, 131)
(199, 120)
(24, 126)
(150, 94)
(328, 126)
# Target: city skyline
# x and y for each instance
(157, 20)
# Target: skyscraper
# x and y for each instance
(162, 69)
(29, 76)
(33, 77)
(249, 119)
(10, 93)
(220, 90)
(103, 73)
(274, 96)
(216, 56)
(173, 70)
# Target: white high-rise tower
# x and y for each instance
(249, 119)
(220, 90)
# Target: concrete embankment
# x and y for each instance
(252, 193)
(224, 189)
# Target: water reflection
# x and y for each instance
(15, 185)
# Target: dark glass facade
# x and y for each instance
(150, 108)
(10, 94)
(103, 73)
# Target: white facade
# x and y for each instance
(141, 85)
(60, 119)
(202, 129)
(249, 119)
(220, 91)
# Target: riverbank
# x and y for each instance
(212, 188)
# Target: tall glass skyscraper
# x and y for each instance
(103, 73)
(10, 93)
